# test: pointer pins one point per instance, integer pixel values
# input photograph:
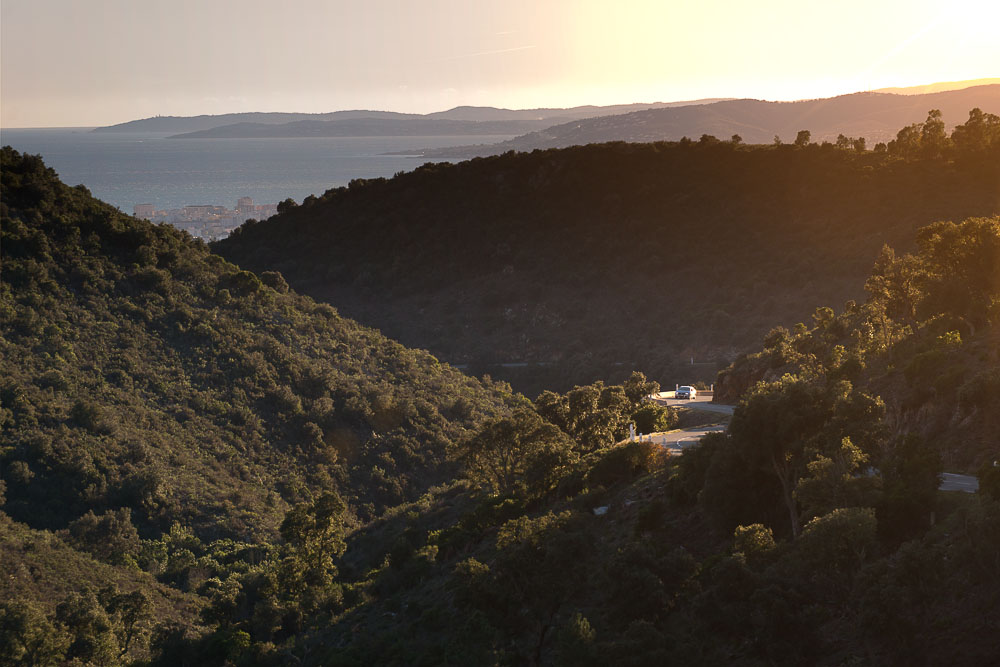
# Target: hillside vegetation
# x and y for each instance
(159, 405)
(925, 339)
(597, 259)
(202, 467)
(811, 532)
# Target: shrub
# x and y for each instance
(652, 418)
(841, 540)
(989, 480)
(625, 463)
(275, 280)
(755, 542)
(110, 537)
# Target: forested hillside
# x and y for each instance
(597, 259)
(201, 467)
(811, 532)
(925, 340)
(155, 397)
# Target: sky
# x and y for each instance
(81, 63)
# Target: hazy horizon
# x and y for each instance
(937, 86)
(70, 64)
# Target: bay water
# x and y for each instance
(125, 169)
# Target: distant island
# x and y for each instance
(533, 118)
(873, 116)
(368, 127)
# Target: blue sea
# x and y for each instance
(129, 169)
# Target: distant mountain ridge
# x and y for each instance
(464, 113)
(940, 87)
(874, 116)
(204, 122)
(368, 127)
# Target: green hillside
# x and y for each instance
(586, 262)
(925, 340)
(200, 466)
(159, 406)
(811, 532)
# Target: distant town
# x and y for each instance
(208, 221)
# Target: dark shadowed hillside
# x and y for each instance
(616, 256)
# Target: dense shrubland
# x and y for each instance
(599, 259)
(200, 466)
(161, 410)
(925, 340)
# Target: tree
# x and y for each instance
(110, 537)
(961, 269)
(286, 205)
(539, 564)
(933, 139)
(840, 541)
(652, 418)
(779, 428)
(773, 426)
(130, 613)
(93, 639)
(314, 534)
(911, 472)
(907, 141)
(837, 480)
(979, 133)
(520, 455)
(893, 294)
(802, 138)
(730, 491)
(28, 637)
(989, 480)
(637, 387)
(755, 542)
(597, 415)
(736, 139)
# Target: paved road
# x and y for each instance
(699, 403)
(675, 441)
(953, 482)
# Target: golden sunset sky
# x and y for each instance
(98, 62)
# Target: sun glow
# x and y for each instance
(63, 61)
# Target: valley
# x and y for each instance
(200, 464)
